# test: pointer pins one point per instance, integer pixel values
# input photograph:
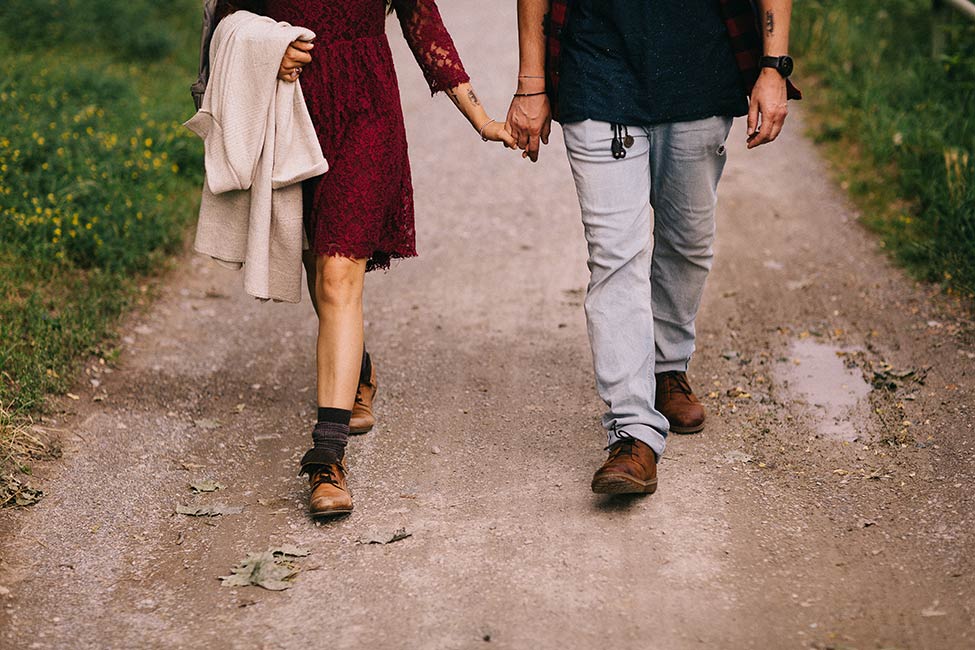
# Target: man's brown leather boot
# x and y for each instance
(630, 469)
(362, 418)
(677, 402)
(329, 491)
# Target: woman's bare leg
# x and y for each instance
(338, 300)
(336, 287)
(310, 261)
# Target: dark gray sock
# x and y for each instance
(329, 440)
(338, 416)
(331, 437)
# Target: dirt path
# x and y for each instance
(787, 524)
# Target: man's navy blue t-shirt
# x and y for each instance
(643, 62)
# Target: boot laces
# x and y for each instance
(325, 474)
(624, 447)
(677, 382)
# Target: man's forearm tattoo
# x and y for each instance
(769, 22)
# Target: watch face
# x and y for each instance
(785, 65)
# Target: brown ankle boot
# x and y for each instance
(677, 402)
(362, 418)
(630, 469)
(329, 491)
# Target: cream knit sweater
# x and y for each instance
(259, 145)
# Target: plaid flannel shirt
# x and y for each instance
(740, 18)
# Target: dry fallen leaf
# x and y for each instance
(933, 610)
(206, 486)
(261, 570)
(269, 569)
(13, 492)
(214, 510)
(383, 537)
(735, 456)
(293, 551)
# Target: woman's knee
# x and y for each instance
(339, 281)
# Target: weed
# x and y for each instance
(98, 182)
(899, 125)
(18, 445)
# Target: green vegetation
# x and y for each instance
(900, 125)
(97, 178)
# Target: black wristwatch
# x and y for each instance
(782, 64)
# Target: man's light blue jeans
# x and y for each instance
(649, 222)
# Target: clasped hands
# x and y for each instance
(298, 55)
(529, 121)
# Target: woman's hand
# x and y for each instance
(495, 131)
(467, 102)
(295, 58)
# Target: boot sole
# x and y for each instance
(330, 513)
(616, 483)
(687, 430)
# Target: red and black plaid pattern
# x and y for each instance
(554, 24)
(740, 18)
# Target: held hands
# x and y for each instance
(530, 121)
(495, 131)
(768, 102)
(295, 58)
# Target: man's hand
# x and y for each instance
(295, 58)
(530, 123)
(768, 103)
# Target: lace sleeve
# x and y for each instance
(431, 44)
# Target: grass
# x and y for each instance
(19, 444)
(98, 181)
(898, 124)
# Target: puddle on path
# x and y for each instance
(837, 394)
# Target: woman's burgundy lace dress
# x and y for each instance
(363, 206)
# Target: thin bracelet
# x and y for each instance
(530, 94)
(530, 76)
(481, 130)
